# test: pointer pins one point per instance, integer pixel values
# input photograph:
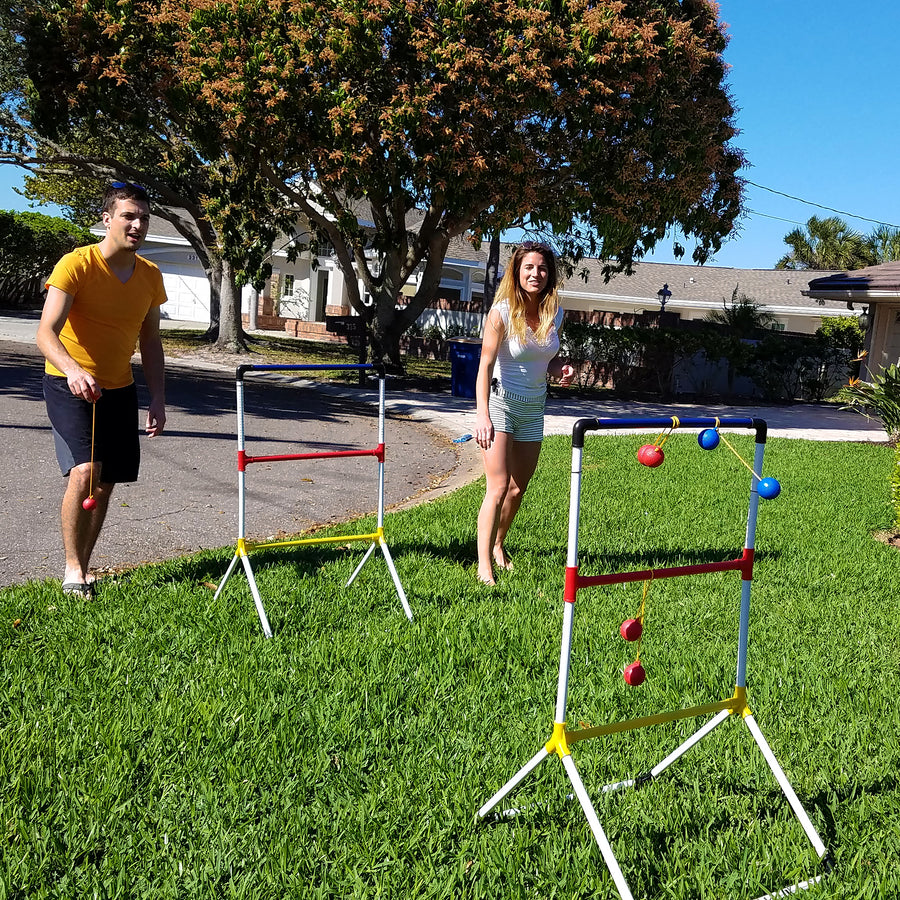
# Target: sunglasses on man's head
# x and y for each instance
(125, 184)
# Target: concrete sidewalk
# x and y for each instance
(809, 421)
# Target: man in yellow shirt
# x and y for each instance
(102, 300)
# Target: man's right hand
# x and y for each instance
(82, 384)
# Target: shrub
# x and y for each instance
(638, 358)
(880, 397)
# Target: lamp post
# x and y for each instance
(663, 293)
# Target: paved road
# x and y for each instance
(186, 498)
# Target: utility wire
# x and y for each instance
(755, 212)
(840, 212)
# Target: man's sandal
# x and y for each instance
(86, 590)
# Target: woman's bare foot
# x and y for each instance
(486, 576)
(502, 559)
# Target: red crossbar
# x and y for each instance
(244, 460)
(574, 581)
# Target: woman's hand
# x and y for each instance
(484, 431)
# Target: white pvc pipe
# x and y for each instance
(390, 564)
(599, 835)
(695, 738)
(362, 562)
(241, 472)
(228, 571)
(257, 600)
(743, 634)
(792, 889)
(381, 461)
(565, 654)
(786, 788)
(758, 454)
(574, 506)
(514, 782)
(565, 650)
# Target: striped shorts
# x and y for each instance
(522, 418)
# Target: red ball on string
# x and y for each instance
(88, 503)
(650, 455)
(634, 673)
(631, 629)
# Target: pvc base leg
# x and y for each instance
(257, 600)
(228, 571)
(514, 782)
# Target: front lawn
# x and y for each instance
(153, 744)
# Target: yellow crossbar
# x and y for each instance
(734, 704)
(343, 539)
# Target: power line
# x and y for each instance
(755, 212)
(840, 212)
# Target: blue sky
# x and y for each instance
(815, 83)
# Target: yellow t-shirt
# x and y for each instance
(105, 319)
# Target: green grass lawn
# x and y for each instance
(154, 744)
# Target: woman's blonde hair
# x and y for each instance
(510, 290)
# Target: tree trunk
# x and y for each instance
(231, 331)
(491, 272)
(213, 270)
(385, 330)
(254, 309)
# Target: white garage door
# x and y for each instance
(188, 294)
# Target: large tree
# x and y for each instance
(397, 126)
(74, 130)
(824, 244)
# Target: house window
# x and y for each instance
(777, 326)
(287, 289)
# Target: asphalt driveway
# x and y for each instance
(186, 498)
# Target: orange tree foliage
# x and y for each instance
(398, 126)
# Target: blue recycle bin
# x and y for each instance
(465, 355)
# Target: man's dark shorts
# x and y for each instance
(116, 440)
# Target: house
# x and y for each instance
(299, 295)
(875, 291)
(693, 292)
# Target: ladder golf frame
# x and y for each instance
(562, 738)
(375, 539)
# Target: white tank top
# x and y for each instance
(521, 367)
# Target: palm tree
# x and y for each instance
(827, 244)
(885, 243)
(743, 315)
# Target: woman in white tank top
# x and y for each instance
(520, 348)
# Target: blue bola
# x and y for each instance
(708, 439)
(768, 488)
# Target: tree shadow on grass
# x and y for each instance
(665, 558)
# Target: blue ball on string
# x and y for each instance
(708, 439)
(768, 488)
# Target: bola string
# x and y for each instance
(640, 617)
(738, 455)
(663, 436)
(93, 431)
